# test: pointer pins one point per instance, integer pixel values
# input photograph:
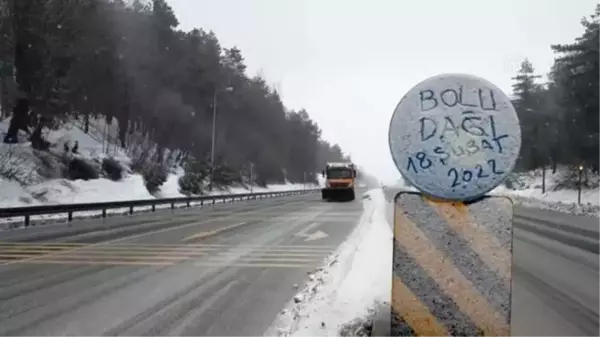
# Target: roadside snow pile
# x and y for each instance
(562, 201)
(270, 188)
(560, 192)
(354, 280)
(64, 191)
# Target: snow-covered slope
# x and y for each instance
(32, 189)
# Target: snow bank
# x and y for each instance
(562, 201)
(529, 193)
(354, 279)
(63, 191)
(131, 187)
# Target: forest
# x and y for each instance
(559, 117)
(127, 62)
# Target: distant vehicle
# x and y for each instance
(339, 181)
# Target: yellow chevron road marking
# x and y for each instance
(164, 263)
(255, 265)
(206, 234)
(163, 245)
(157, 231)
(150, 254)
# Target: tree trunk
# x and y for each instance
(18, 122)
(26, 64)
(4, 99)
(160, 154)
(122, 135)
(37, 141)
(86, 123)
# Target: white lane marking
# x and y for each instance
(313, 236)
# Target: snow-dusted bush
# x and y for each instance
(113, 169)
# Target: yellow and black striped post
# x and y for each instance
(451, 267)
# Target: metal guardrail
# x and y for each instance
(69, 209)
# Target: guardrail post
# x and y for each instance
(172, 205)
(454, 138)
(26, 220)
(70, 216)
(104, 212)
(130, 210)
(188, 202)
(153, 208)
(214, 200)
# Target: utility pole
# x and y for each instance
(251, 176)
(579, 185)
(304, 181)
(214, 130)
(212, 145)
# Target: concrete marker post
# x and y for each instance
(454, 137)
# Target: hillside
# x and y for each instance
(145, 101)
(30, 177)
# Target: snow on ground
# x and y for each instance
(131, 187)
(36, 190)
(354, 279)
(357, 277)
(60, 191)
(556, 197)
(528, 193)
(562, 201)
(90, 145)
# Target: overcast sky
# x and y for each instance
(349, 62)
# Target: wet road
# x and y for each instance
(555, 273)
(220, 270)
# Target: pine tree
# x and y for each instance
(527, 102)
(576, 72)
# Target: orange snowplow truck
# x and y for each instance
(339, 181)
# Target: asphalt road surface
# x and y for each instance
(555, 272)
(220, 270)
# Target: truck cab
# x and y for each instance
(339, 181)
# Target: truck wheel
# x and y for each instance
(351, 196)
